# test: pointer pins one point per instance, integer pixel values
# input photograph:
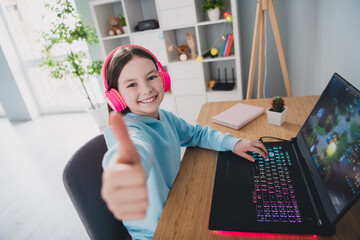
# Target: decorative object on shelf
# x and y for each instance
(183, 52)
(229, 18)
(170, 48)
(115, 26)
(124, 24)
(191, 43)
(225, 14)
(259, 31)
(212, 7)
(212, 83)
(276, 114)
(200, 59)
(224, 86)
(214, 52)
(77, 64)
(147, 25)
(211, 53)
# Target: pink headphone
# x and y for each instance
(113, 97)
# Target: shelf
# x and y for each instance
(211, 22)
(190, 78)
(216, 59)
(115, 37)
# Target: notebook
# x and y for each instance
(238, 115)
(307, 184)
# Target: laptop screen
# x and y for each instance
(332, 136)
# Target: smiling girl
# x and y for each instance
(143, 155)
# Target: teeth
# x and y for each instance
(148, 100)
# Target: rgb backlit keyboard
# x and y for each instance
(274, 194)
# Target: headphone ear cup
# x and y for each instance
(165, 79)
(115, 100)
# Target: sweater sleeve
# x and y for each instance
(205, 137)
(141, 141)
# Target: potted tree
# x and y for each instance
(212, 7)
(276, 114)
(66, 31)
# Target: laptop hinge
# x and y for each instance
(301, 162)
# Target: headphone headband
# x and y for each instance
(108, 58)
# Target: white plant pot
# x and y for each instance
(214, 14)
(100, 115)
(276, 118)
(126, 30)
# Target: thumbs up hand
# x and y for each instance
(124, 181)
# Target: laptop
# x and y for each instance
(308, 182)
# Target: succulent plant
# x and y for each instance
(277, 104)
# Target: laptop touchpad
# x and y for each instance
(238, 169)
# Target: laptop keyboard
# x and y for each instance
(274, 195)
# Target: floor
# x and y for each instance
(33, 154)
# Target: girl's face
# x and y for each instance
(141, 87)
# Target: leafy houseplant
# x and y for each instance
(212, 4)
(277, 112)
(66, 31)
(212, 7)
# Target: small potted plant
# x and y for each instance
(276, 114)
(124, 25)
(212, 7)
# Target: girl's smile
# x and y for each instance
(141, 87)
(149, 100)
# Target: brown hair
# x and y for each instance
(118, 61)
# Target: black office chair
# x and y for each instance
(82, 180)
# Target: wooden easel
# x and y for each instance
(262, 6)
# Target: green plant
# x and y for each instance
(122, 20)
(212, 4)
(66, 31)
(277, 104)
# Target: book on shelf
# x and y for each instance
(226, 45)
(223, 48)
(230, 44)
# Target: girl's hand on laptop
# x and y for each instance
(247, 145)
(124, 180)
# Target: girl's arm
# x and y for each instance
(206, 137)
(124, 179)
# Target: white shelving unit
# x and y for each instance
(190, 79)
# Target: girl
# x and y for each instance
(144, 146)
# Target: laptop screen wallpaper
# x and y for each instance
(332, 135)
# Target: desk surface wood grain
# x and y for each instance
(187, 209)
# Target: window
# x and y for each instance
(25, 20)
(2, 112)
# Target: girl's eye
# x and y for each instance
(131, 85)
(152, 77)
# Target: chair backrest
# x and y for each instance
(82, 178)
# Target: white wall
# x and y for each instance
(323, 38)
(319, 38)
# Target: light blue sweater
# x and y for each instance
(158, 143)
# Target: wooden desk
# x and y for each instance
(187, 209)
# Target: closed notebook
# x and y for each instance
(238, 116)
